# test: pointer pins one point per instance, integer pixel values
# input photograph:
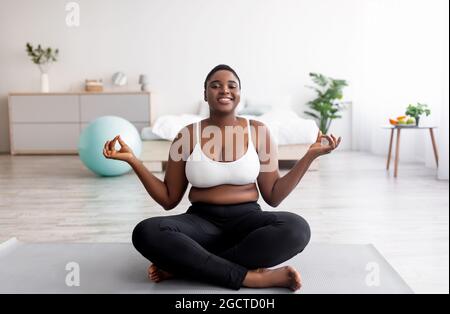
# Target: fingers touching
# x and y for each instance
(333, 142)
(319, 136)
(106, 151)
(112, 144)
(109, 147)
(330, 140)
(121, 142)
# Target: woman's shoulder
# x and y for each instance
(185, 132)
(258, 126)
(256, 123)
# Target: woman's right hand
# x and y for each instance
(317, 149)
(124, 154)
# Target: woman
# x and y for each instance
(224, 238)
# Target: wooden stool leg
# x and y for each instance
(390, 149)
(397, 151)
(436, 156)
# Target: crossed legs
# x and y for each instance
(229, 255)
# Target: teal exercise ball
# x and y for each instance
(94, 137)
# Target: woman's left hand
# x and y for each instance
(317, 149)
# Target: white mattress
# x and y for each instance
(285, 126)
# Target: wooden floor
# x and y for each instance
(351, 199)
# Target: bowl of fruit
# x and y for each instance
(403, 121)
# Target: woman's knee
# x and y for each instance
(145, 233)
(296, 230)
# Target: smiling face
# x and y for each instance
(223, 92)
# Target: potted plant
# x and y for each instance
(417, 110)
(43, 57)
(328, 102)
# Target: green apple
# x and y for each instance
(411, 120)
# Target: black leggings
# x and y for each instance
(218, 244)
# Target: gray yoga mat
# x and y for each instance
(118, 268)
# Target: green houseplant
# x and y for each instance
(328, 102)
(417, 110)
(42, 57)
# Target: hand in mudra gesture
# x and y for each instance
(318, 148)
(125, 153)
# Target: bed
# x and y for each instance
(292, 133)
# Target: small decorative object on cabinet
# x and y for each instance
(43, 57)
(119, 79)
(143, 80)
(94, 85)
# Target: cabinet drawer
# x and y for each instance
(45, 138)
(130, 107)
(40, 108)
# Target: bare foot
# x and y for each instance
(157, 274)
(287, 277)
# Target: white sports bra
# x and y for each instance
(204, 172)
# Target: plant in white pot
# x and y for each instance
(43, 57)
(417, 110)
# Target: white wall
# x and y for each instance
(273, 46)
(390, 51)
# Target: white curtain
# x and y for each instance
(444, 130)
(401, 62)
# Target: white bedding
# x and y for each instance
(285, 126)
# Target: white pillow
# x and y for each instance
(168, 126)
(285, 126)
(288, 128)
(241, 105)
(260, 102)
(255, 110)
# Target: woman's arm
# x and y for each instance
(274, 189)
(167, 193)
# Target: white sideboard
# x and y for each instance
(51, 123)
